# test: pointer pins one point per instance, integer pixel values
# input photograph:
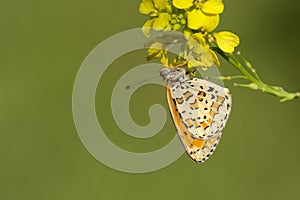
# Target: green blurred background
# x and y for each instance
(42, 45)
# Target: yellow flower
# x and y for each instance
(183, 4)
(204, 16)
(164, 59)
(202, 55)
(150, 6)
(227, 41)
(159, 18)
(155, 51)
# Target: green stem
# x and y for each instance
(228, 78)
(256, 83)
(248, 64)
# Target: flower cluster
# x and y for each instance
(197, 20)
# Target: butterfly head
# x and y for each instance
(172, 74)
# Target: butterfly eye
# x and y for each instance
(163, 72)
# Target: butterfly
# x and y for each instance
(199, 110)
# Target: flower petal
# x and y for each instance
(196, 19)
(200, 53)
(213, 7)
(155, 51)
(183, 4)
(160, 4)
(161, 21)
(199, 38)
(147, 26)
(164, 59)
(210, 22)
(187, 32)
(203, 61)
(146, 7)
(214, 57)
(226, 41)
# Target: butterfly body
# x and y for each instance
(199, 110)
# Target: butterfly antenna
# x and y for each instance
(142, 81)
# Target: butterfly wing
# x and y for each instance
(198, 149)
(203, 106)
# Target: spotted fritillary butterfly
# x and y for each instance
(199, 109)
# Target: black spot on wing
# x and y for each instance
(210, 89)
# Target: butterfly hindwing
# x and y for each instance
(198, 149)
